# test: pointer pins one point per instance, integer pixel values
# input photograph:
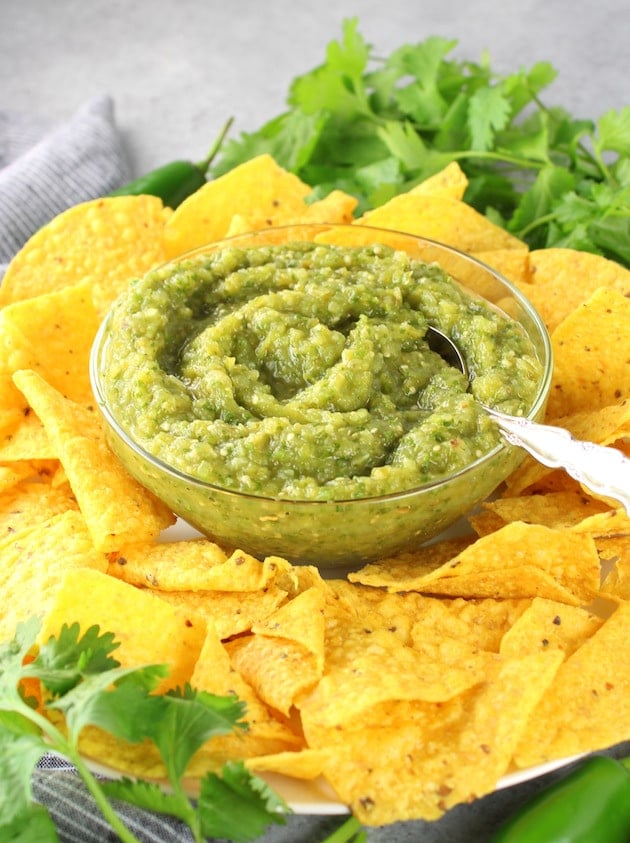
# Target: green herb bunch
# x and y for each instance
(375, 127)
(82, 685)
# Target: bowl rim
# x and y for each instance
(100, 343)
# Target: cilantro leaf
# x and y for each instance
(338, 84)
(188, 721)
(488, 112)
(63, 661)
(357, 117)
(614, 132)
(33, 825)
(18, 755)
(89, 688)
(236, 800)
(147, 795)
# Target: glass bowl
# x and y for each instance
(335, 533)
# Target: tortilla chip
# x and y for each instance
(27, 442)
(193, 565)
(259, 188)
(614, 551)
(307, 764)
(230, 612)
(420, 760)
(104, 241)
(451, 182)
(57, 330)
(29, 503)
(480, 623)
(278, 669)
(34, 561)
(149, 630)
(264, 734)
(336, 208)
(555, 509)
(512, 264)
(403, 571)
(547, 625)
(301, 620)
(443, 219)
(588, 705)
(521, 560)
(591, 349)
(117, 509)
(562, 279)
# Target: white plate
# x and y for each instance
(317, 797)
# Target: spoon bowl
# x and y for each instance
(603, 470)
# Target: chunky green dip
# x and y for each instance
(302, 371)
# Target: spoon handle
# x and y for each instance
(603, 470)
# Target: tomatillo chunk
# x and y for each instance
(302, 371)
(590, 805)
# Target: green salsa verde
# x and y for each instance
(302, 371)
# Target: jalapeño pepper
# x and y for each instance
(589, 805)
(175, 181)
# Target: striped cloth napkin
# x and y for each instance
(45, 170)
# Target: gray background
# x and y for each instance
(177, 69)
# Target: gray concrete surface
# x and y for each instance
(177, 69)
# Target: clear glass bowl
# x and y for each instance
(349, 532)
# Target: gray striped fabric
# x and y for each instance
(44, 172)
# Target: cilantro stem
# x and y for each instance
(101, 800)
(517, 160)
(57, 741)
(349, 831)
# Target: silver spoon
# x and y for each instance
(603, 470)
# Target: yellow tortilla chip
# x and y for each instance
(278, 669)
(355, 679)
(615, 554)
(513, 264)
(450, 182)
(301, 620)
(149, 630)
(34, 561)
(422, 759)
(259, 188)
(441, 218)
(117, 509)
(547, 625)
(265, 733)
(521, 560)
(588, 705)
(230, 612)
(193, 565)
(307, 764)
(403, 571)
(555, 509)
(335, 208)
(562, 279)
(104, 241)
(58, 330)
(591, 348)
(28, 441)
(30, 503)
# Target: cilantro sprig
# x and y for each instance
(84, 685)
(376, 126)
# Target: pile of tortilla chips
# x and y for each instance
(421, 680)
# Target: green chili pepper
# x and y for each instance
(589, 805)
(175, 181)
